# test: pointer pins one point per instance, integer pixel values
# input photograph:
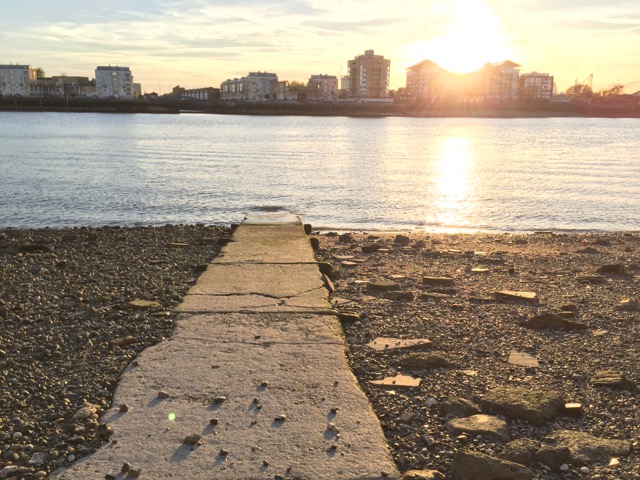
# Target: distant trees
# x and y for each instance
(40, 73)
(579, 91)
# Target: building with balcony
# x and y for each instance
(322, 88)
(15, 80)
(535, 86)
(369, 76)
(114, 82)
(255, 87)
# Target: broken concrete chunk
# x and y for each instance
(591, 279)
(551, 320)
(530, 297)
(586, 449)
(438, 281)
(468, 465)
(139, 304)
(616, 268)
(458, 407)
(383, 343)
(536, 407)
(480, 425)
(399, 381)
(523, 360)
(612, 379)
(398, 295)
(382, 285)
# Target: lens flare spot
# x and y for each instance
(172, 417)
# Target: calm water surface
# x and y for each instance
(66, 169)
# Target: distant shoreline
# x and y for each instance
(364, 110)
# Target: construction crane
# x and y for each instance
(587, 82)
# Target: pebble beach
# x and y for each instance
(445, 333)
(509, 337)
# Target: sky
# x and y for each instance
(200, 43)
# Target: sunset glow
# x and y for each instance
(472, 37)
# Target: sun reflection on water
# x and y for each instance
(452, 190)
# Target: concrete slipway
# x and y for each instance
(256, 367)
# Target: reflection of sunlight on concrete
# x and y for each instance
(452, 189)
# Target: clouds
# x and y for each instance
(202, 42)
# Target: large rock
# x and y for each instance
(612, 379)
(521, 450)
(459, 407)
(480, 425)
(478, 466)
(587, 449)
(551, 320)
(553, 456)
(517, 403)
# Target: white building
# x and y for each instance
(114, 82)
(16, 79)
(255, 87)
(322, 88)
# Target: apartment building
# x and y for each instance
(369, 76)
(255, 87)
(114, 82)
(15, 80)
(322, 88)
(63, 86)
(426, 81)
(501, 80)
(535, 86)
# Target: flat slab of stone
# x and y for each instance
(314, 302)
(521, 359)
(519, 403)
(277, 281)
(267, 244)
(480, 425)
(399, 381)
(386, 343)
(529, 297)
(266, 367)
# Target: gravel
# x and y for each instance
(68, 329)
(476, 333)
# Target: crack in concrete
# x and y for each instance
(258, 344)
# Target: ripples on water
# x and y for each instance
(337, 172)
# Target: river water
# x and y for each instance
(443, 174)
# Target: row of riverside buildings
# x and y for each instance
(367, 80)
(110, 82)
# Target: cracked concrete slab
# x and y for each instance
(277, 281)
(310, 302)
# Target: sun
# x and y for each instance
(471, 37)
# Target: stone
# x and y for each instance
(34, 248)
(422, 361)
(139, 304)
(315, 243)
(384, 343)
(553, 456)
(85, 412)
(458, 407)
(536, 407)
(591, 279)
(422, 475)
(192, 439)
(479, 270)
(612, 379)
(346, 238)
(328, 284)
(399, 381)
(467, 465)
(589, 250)
(551, 320)
(587, 449)
(398, 295)
(615, 268)
(480, 425)
(628, 305)
(521, 450)
(438, 281)
(529, 297)
(382, 285)
(523, 360)
(401, 240)
(348, 317)
(370, 247)
(574, 410)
